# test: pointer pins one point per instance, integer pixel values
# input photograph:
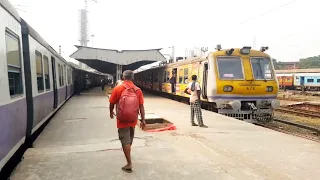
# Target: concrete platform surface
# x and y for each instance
(81, 143)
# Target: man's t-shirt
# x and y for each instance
(194, 94)
(115, 97)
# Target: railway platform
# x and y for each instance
(81, 143)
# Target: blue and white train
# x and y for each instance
(34, 82)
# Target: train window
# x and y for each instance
(185, 76)
(181, 76)
(165, 76)
(39, 71)
(63, 75)
(69, 76)
(46, 72)
(228, 71)
(60, 73)
(261, 68)
(14, 65)
(318, 80)
(155, 76)
(310, 80)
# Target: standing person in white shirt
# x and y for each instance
(194, 91)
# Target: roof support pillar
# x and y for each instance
(119, 72)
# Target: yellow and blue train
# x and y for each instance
(237, 82)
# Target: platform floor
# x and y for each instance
(81, 143)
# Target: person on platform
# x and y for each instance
(194, 90)
(119, 82)
(173, 82)
(103, 82)
(129, 101)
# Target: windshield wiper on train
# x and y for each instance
(264, 77)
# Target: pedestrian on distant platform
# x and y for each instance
(194, 90)
(173, 82)
(103, 82)
(119, 82)
(129, 100)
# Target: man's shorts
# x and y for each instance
(126, 135)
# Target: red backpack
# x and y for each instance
(128, 105)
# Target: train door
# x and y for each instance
(159, 81)
(65, 71)
(302, 81)
(54, 77)
(174, 80)
(204, 81)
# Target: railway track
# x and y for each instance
(314, 135)
(313, 132)
(299, 112)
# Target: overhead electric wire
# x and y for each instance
(279, 7)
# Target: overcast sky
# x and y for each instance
(291, 32)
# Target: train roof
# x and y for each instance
(253, 52)
(77, 68)
(284, 74)
(28, 30)
(313, 70)
(202, 58)
(307, 74)
(10, 9)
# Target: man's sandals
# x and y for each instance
(127, 169)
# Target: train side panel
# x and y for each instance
(13, 108)
(42, 82)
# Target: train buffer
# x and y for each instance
(81, 142)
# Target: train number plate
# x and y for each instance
(250, 88)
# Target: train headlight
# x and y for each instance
(245, 50)
(269, 89)
(236, 105)
(227, 88)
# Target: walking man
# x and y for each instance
(129, 101)
(102, 81)
(194, 90)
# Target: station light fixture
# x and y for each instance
(229, 52)
(245, 50)
(227, 88)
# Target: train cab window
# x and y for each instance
(310, 80)
(39, 71)
(186, 75)
(14, 65)
(46, 72)
(181, 76)
(261, 68)
(230, 68)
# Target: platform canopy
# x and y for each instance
(106, 60)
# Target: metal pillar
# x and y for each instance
(119, 72)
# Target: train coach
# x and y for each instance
(299, 81)
(239, 83)
(35, 81)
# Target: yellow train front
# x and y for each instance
(239, 83)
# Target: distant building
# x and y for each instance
(189, 52)
(289, 65)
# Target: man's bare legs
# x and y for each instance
(127, 153)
